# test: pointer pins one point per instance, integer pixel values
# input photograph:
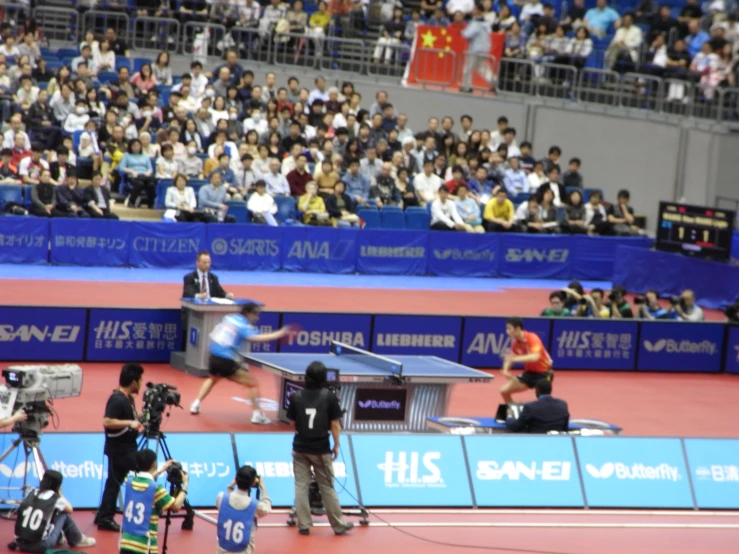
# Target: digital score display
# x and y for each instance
(695, 230)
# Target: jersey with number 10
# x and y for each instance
(227, 338)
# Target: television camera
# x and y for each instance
(157, 397)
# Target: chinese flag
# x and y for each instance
(438, 57)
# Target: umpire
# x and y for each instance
(316, 412)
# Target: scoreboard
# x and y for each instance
(695, 230)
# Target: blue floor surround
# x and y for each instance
(68, 273)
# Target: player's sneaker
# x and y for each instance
(260, 418)
(195, 407)
(85, 542)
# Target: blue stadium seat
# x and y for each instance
(521, 197)
(164, 92)
(586, 194)
(286, 210)
(237, 209)
(67, 53)
(196, 184)
(161, 193)
(392, 217)
(27, 196)
(371, 218)
(138, 62)
(106, 77)
(10, 193)
(417, 217)
(122, 61)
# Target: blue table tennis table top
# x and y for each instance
(413, 366)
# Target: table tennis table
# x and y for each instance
(377, 393)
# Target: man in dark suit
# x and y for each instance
(201, 283)
(545, 414)
(97, 199)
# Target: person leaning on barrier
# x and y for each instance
(238, 512)
(316, 413)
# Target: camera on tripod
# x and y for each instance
(157, 397)
(174, 474)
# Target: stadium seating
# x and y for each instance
(417, 218)
(10, 193)
(370, 217)
(392, 217)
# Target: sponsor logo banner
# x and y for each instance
(392, 252)
(164, 244)
(89, 242)
(245, 247)
(24, 240)
(142, 335)
(271, 455)
(593, 344)
(714, 468)
(476, 256)
(411, 470)
(268, 322)
(485, 339)
(535, 257)
(524, 471)
(732, 349)
(319, 249)
(681, 346)
(37, 334)
(634, 472)
(417, 335)
(380, 404)
(319, 330)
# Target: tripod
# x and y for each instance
(31, 454)
(188, 518)
(317, 508)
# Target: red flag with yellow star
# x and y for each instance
(438, 57)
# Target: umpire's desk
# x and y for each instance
(491, 426)
(202, 318)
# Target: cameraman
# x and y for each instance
(316, 412)
(145, 501)
(619, 306)
(684, 308)
(122, 428)
(649, 307)
(237, 512)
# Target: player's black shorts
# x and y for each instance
(530, 378)
(222, 367)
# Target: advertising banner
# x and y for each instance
(535, 256)
(714, 469)
(470, 255)
(245, 247)
(271, 455)
(317, 331)
(89, 242)
(417, 335)
(24, 240)
(681, 346)
(634, 472)
(165, 244)
(208, 459)
(268, 322)
(39, 334)
(732, 349)
(124, 335)
(411, 470)
(524, 471)
(485, 339)
(383, 252)
(593, 344)
(593, 257)
(319, 249)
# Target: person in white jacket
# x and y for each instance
(261, 205)
(626, 43)
(181, 203)
(77, 119)
(444, 215)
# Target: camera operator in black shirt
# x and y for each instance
(316, 413)
(122, 428)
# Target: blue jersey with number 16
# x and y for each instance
(227, 338)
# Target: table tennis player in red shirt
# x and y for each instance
(526, 349)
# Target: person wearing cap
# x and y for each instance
(444, 215)
(238, 512)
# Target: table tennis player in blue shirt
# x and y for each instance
(226, 342)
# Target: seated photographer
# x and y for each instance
(144, 502)
(684, 308)
(592, 305)
(617, 303)
(44, 516)
(556, 305)
(238, 511)
(544, 414)
(649, 307)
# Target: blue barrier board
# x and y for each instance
(317, 331)
(681, 346)
(142, 335)
(208, 459)
(580, 343)
(475, 256)
(536, 256)
(89, 242)
(24, 240)
(417, 335)
(732, 350)
(524, 471)
(714, 470)
(319, 249)
(271, 455)
(383, 252)
(245, 247)
(485, 339)
(36, 334)
(634, 472)
(411, 470)
(165, 244)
